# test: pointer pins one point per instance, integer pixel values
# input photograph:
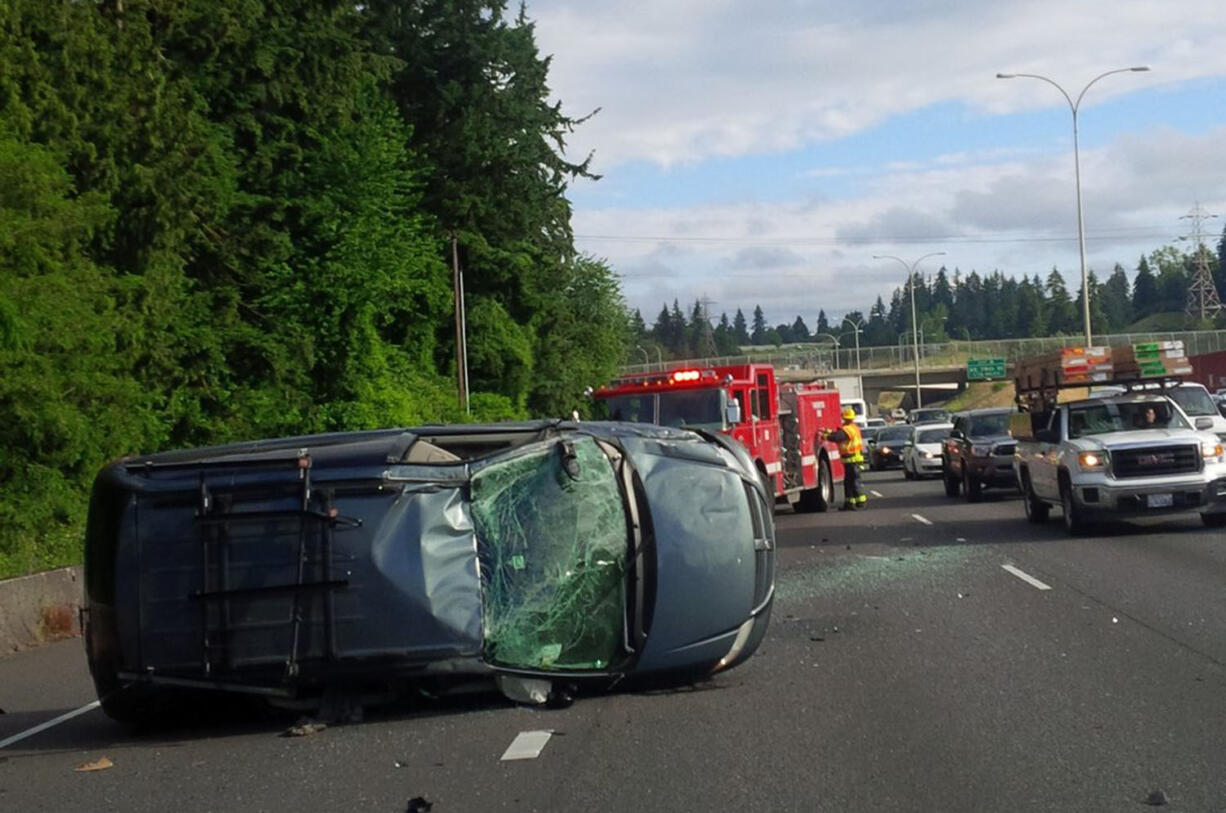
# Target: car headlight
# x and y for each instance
(885, 449)
(981, 450)
(1211, 451)
(928, 455)
(1091, 461)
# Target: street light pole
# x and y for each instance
(919, 398)
(857, 327)
(1081, 234)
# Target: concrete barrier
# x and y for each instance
(38, 609)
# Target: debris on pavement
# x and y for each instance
(305, 727)
(1156, 798)
(99, 764)
(528, 691)
(418, 804)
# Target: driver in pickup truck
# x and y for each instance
(1149, 419)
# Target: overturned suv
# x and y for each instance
(596, 554)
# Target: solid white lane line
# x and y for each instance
(527, 745)
(875, 493)
(50, 723)
(922, 519)
(1026, 577)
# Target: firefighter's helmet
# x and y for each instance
(849, 414)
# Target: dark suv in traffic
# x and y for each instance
(978, 453)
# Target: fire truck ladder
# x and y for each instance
(218, 521)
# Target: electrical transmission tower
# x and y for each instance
(1203, 300)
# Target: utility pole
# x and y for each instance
(1203, 300)
(461, 329)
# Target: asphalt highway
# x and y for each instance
(925, 654)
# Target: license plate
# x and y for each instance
(1159, 500)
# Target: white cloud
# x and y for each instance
(679, 81)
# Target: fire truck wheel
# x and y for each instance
(821, 497)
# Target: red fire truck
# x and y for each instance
(781, 425)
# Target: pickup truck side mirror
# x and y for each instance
(733, 412)
(1204, 423)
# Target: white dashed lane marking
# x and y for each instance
(527, 745)
(875, 493)
(1026, 577)
(922, 519)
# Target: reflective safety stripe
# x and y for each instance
(808, 460)
(773, 468)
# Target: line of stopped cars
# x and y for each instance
(1153, 448)
(532, 556)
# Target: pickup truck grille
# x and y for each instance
(1006, 449)
(1151, 461)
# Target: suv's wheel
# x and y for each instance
(951, 482)
(1036, 509)
(1074, 520)
(1213, 520)
(970, 486)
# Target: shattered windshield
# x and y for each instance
(552, 542)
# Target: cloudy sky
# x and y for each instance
(762, 152)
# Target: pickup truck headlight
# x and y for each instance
(1211, 451)
(1092, 461)
(981, 450)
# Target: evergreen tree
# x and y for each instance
(1061, 313)
(725, 337)
(740, 333)
(799, 331)
(1117, 303)
(758, 336)
(1145, 298)
(822, 325)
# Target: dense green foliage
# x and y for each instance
(968, 307)
(227, 219)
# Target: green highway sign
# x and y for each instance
(984, 369)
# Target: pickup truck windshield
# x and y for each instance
(1195, 401)
(552, 545)
(985, 425)
(1100, 418)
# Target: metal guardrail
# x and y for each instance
(828, 360)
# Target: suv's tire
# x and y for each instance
(952, 484)
(1036, 509)
(1213, 520)
(1074, 521)
(970, 486)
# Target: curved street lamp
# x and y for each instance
(857, 327)
(919, 398)
(1081, 235)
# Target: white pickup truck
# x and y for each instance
(1118, 456)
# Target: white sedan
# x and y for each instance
(921, 455)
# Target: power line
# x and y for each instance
(1137, 233)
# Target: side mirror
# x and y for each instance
(733, 412)
(908, 443)
(956, 434)
(1204, 423)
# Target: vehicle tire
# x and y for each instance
(971, 487)
(1036, 509)
(1074, 522)
(1213, 520)
(952, 485)
(820, 497)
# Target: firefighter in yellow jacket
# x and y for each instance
(851, 449)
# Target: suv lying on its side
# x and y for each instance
(978, 453)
